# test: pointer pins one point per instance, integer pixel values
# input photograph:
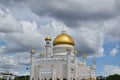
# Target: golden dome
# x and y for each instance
(63, 39)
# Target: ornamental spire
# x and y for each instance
(63, 31)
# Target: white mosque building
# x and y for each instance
(60, 61)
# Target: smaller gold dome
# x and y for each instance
(94, 60)
(68, 49)
(48, 38)
(84, 55)
(75, 51)
(63, 39)
(32, 51)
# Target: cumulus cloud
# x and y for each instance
(100, 14)
(7, 63)
(89, 41)
(110, 70)
(32, 35)
(24, 58)
(7, 22)
(19, 37)
(111, 29)
(114, 51)
(29, 39)
(75, 13)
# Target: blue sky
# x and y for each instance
(94, 25)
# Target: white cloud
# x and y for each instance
(8, 23)
(23, 59)
(110, 70)
(7, 63)
(80, 9)
(89, 41)
(28, 39)
(24, 74)
(114, 51)
(111, 28)
(20, 37)
(32, 35)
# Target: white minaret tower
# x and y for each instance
(84, 56)
(32, 64)
(94, 63)
(48, 47)
(76, 72)
(68, 63)
(94, 68)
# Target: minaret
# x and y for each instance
(76, 72)
(32, 64)
(48, 47)
(68, 63)
(84, 56)
(94, 67)
(94, 63)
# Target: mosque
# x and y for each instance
(60, 61)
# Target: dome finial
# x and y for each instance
(63, 31)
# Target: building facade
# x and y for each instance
(60, 61)
(7, 76)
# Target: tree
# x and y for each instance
(100, 78)
(22, 78)
(113, 77)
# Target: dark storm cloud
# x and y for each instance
(8, 2)
(12, 3)
(72, 11)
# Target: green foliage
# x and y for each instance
(2, 79)
(64, 79)
(110, 77)
(100, 78)
(113, 77)
(22, 78)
